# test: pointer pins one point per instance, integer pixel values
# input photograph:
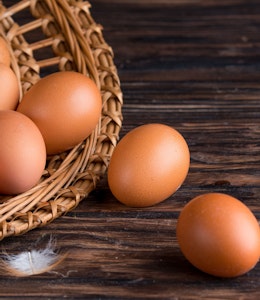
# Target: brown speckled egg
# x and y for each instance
(9, 88)
(66, 107)
(148, 165)
(22, 153)
(219, 235)
(5, 57)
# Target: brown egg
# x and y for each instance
(9, 88)
(66, 107)
(219, 235)
(148, 165)
(5, 57)
(22, 153)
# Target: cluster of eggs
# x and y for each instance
(56, 114)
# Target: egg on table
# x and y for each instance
(219, 235)
(148, 165)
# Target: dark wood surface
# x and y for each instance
(194, 65)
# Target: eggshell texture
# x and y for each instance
(5, 56)
(9, 88)
(66, 107)
(219, 235)
(22, 153)
(148, 165)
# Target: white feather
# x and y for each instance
(32, 262)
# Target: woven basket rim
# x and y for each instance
(73, 41)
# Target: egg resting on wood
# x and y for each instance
(148, 165)
(219, 235)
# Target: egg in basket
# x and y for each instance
(60, 37)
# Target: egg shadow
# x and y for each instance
(175, 267)
(172, 264)
(175, 264)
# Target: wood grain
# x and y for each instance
(193, 65)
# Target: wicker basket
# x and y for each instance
(64, 35)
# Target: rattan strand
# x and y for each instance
(66, 31)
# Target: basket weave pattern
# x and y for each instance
(65, 34)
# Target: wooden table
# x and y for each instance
(194, 65)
